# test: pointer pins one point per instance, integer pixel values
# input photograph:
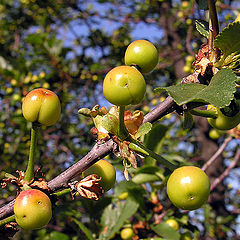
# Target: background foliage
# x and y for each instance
(68, 47)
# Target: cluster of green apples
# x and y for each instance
(33, 208)
(125, 85)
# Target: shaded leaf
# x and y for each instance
(58, 236)
(202, 28)
(228, 42)
(228, 39)
(85, 230)
(114, 217)
(153, 140)
(165, 231)
(187, 120)
(147, 173)
(144, 178)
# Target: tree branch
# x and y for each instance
(226, 172)
(217, 154)
(98, 151)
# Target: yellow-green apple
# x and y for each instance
(41, 105)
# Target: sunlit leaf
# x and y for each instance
(219, 92)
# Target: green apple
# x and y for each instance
(41, 105)
(188, 187)
(223, 122)
(124, 85)
(173, 223)
(143, 54)
(186, 236)
(32, 209)
(126, 233)
(106, 171)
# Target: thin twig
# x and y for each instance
(165, 107)
(227, 171)
(217, 153)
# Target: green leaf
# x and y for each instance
(144, 129)
(202, 28)
(228, 39)
(218, 93)
(144, 178)
(165, 231)
(125, 186)
(187, 120)
(147, 173)
(228, 42)
(153, 140)
(58, 236)
(114, 217)
(85, 230)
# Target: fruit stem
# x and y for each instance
(122, 130)
(30, 167)
(7, 220)
(154, 155)
(204, 113)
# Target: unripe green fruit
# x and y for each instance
(223, 122)
(41, 105)
(143, 54)
(126, 233)
(186, 236)
(188, 187)
(124, 85)
(173, 223)
(214, 134)
(32, 209)
(106, 171)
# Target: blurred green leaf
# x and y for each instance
(58, 236)
(153, 140)
(165, 231)
(84, 229)
(187, 120)
(115, 215)
(147, 174)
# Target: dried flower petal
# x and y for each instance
(89, 187)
